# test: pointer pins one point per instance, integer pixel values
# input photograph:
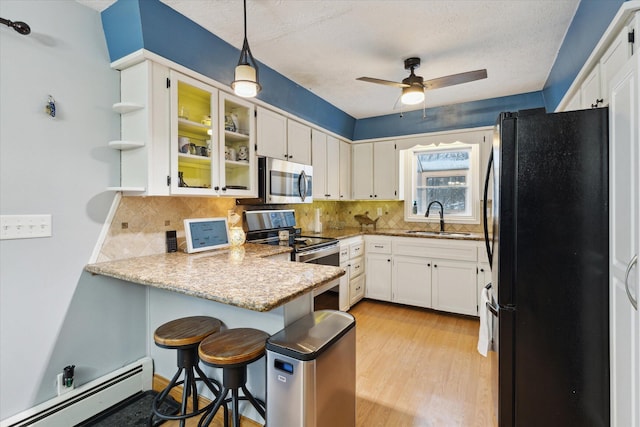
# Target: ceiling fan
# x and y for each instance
(413, 87)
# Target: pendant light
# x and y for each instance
(245, 83)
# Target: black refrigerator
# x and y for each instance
(549, 254)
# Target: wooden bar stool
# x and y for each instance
(233, 350)
(184, 335)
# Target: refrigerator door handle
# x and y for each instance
(492, 308)
(484, 211)
(633, 301)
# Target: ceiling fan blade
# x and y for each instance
(455, 79)
(382, 82)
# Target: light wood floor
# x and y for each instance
(416, 368)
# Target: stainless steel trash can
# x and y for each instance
(311, 372)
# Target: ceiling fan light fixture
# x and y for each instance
(245, 83)
(412, 95)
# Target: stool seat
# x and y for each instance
(238, 346)
(186, 331)
(233, 350)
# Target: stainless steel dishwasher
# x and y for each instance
(311, 372)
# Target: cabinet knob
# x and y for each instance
(371, 195)
(428, 265)
(389, 260)
(224, 188)
(216, 188)
(482, 270)
(435, 265)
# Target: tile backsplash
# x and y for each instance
(139, 223)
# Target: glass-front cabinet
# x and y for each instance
(194, 144)
(237, 148)
(212, 141)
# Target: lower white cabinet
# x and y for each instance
(352, 283)
(430, 273)
(378, 267)
(412, 281)
(453, 286)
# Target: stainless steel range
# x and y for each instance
(278, 227)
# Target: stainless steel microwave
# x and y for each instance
(282, 181)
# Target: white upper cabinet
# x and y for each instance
(374, 171)
(362, 171)
(272, 134)
(593, 89)
(345, 171)
(325, 153)
(194, 144)
(613, 59)
(282, 138)
(144, 121)
(298, 142)
(238, 160)
(590, 94)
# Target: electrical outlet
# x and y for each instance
(24, 226)
(379, 212)
(62, 389)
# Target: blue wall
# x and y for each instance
(456, 116)
(589, 24)
(130, 25)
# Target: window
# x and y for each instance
(447, 174)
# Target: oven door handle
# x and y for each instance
(317, 253)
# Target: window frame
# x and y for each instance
(473, 174)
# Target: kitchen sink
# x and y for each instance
(439, 233)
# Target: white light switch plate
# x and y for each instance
(24, 226)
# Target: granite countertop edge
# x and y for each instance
(348, 232)
(262, 285)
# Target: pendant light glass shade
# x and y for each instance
(245, 83)
(412, 95)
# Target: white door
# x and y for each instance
(624, 220)
(454, 287)
(362, 171)
(271, 134)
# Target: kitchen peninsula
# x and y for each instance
(242, 277)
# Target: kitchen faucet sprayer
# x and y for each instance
(426, 214)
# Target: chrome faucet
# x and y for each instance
(426, 214)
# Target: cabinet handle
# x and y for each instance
(216, 188)
(371, 196)
(378, 246)
(482, 270)
(389, 260)
(428, 265)
(598, 101)
(633, 302)
(435, 265)
(224, 188)
(375, 195)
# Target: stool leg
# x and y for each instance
(256, 404)
(210, 414)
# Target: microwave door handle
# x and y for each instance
(302, 185)
(484, 212)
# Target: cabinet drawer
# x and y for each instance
(356, 250)
(357, 267)
(356, 290)
(379, 246)
(344, 253)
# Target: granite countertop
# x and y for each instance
(241, 277)
(355, 231)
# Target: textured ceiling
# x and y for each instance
(324, 45)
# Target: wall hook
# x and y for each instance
(50, 108)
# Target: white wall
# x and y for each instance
(52, 313)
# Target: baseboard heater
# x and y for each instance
(89, 399)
